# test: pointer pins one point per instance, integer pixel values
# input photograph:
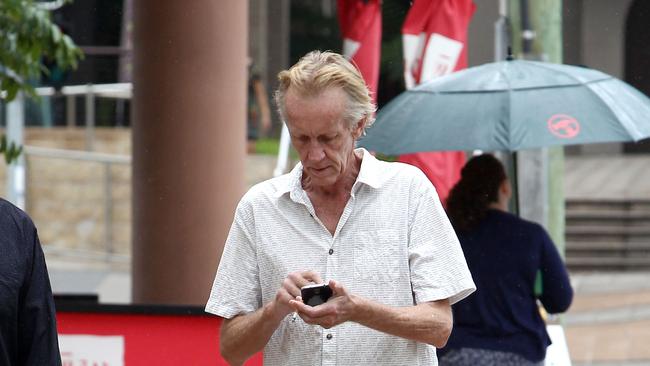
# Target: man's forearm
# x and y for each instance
(244, 335)
(429, 323)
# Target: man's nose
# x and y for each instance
(316, 152)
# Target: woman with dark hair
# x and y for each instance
(500, 324)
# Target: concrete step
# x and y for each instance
(589, 245)
(637, 203)
(608, 229)
(608, 263)
(604, 215)
(608, 235)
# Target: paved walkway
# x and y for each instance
(609, 320)
(70, 275)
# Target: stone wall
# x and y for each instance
(66, 198)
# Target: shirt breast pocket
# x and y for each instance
(380, 260)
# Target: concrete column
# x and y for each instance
(258, 19)
(278, 40)
(188, 143)
(540, 171)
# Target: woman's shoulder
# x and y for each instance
(513, 219)
(511, 224)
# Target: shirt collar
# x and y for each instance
(369, 174)
(292, 184)
(370, 171)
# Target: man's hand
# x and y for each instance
(290, 290)
(338, 309)
(243, 335)
(428, 322)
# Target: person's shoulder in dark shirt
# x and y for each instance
(27, 317)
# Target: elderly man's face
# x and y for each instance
(320, 134)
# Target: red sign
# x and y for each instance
(360, 22)
(563, 126)
(162, 340)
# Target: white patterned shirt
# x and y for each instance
(393, 244)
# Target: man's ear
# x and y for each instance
(357, 130)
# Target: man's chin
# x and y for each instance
(322, 181)
(319, 173)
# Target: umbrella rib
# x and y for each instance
(605, 77)
(577, 81)
(631, 129)
(515, 89)
(606, 105)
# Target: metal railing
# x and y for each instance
(15, 122)
(120, 91)
(107, 161)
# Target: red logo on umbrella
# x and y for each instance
(563, 126)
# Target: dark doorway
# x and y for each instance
(637, 59)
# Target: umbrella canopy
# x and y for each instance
(511, 105)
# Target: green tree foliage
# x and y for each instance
(27, 36)
(11, 151)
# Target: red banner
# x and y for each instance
(360, 23)
(435, 44)
(143, 339)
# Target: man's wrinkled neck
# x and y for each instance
(343, 185)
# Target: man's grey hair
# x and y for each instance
(317, 71)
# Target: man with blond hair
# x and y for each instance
(375, 231)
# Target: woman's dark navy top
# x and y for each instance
(504, 254)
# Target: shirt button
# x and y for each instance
(331, 251)
(329, 336)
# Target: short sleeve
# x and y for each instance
(236, 288)
(437, 264)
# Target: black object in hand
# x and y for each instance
(313, 295)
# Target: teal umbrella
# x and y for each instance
(509, 106)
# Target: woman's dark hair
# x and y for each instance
(478, 187)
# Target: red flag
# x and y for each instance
(360, 23)
(435, 40)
